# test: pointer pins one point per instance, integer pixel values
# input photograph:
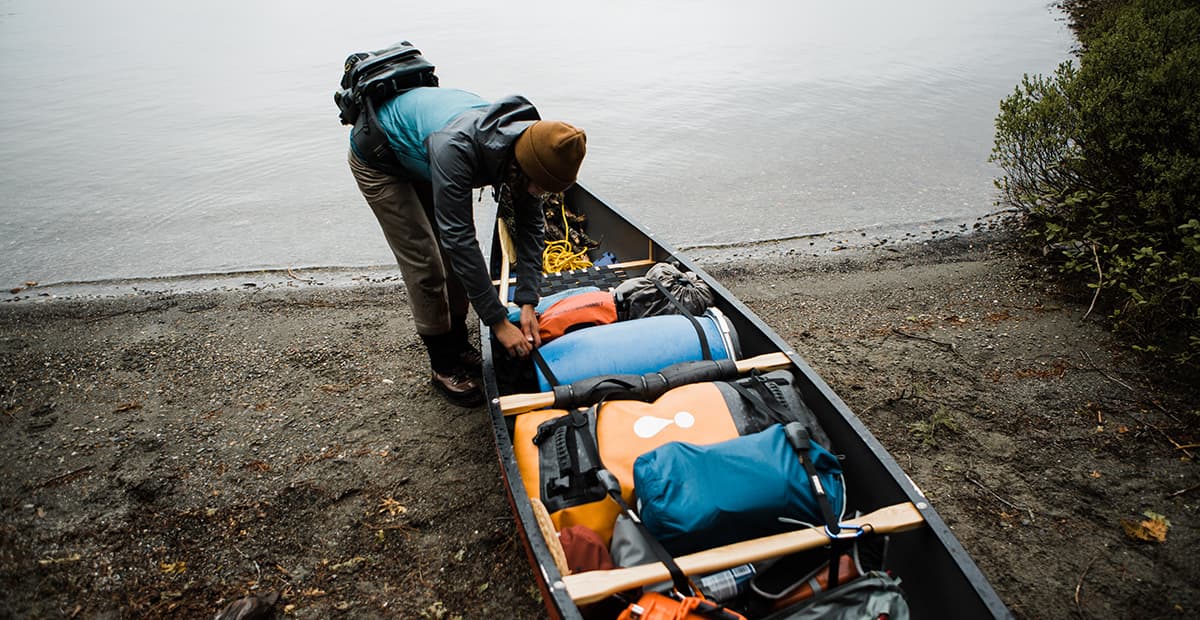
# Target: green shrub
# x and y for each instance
(1103, 162)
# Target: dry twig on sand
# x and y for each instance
(1079, 584)
(949, 346)
(1002, 500)
(1183, 491)
(1106, 375)
(293, 276)
(67, 477)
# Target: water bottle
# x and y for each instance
(727, 584)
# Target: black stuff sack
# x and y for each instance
(650, 295)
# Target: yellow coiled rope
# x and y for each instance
(558, 255)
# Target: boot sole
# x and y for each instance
(461, 399)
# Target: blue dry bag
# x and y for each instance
(637, 347)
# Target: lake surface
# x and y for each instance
(145, 138)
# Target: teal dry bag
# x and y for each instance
(698, 497)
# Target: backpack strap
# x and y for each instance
(685, 312)
(371, 143)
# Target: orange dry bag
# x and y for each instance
(619, 431)
(576, 312)
(655, 606)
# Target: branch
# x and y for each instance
(1184, 491)
(64, 477)
(1098, 283)
(1106, 375)
(1079, 584)
(1002, 500)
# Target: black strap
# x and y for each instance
(583, 418)
(613, 386)
(575, 457)
(372, 143)
(685, 312)
(678, 578)
(544, 367)
(800, 438)
(775, 409)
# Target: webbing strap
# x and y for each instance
(582, 418)
(374, 148)
(773, 409)
(544, 367)
(800, 439)
(685, 312)
(678, 578)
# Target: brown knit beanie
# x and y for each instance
(550, 152)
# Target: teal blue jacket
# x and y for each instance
(409, 120)
(458, 141)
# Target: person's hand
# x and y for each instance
(512, 339)
(529, 325)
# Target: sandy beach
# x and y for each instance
(165, 452)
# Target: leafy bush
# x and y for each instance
(1103, 162)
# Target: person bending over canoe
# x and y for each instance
(448, 142)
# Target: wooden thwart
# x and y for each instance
(520, 403)
(593, 586)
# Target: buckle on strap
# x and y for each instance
(846, 532)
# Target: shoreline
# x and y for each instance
(821, 246)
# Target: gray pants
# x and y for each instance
(405, 212)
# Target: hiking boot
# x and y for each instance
(458, 387)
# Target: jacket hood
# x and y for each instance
(496, 129)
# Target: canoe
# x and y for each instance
(938, 578)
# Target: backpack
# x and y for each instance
(369, 80)
(876, 595)
(376, 77)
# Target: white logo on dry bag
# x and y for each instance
(648, 426)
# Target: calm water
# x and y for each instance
(147, 138)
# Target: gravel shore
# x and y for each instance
(164, 453)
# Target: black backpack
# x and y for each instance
(372, 78)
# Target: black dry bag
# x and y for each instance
(372, 78)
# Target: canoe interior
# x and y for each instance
(939, 578)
